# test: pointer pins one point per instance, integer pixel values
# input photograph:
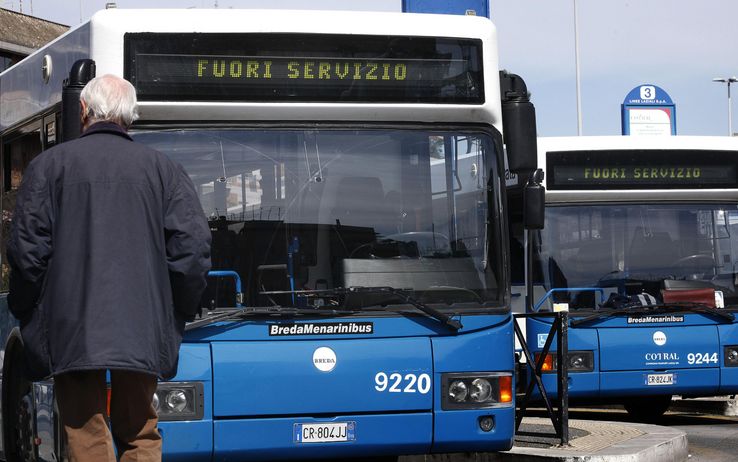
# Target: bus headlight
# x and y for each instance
(481, 390)
(476, 390)
(179, 401)
(730, 353)
(457, 391)
(581, 361)
(578, 361)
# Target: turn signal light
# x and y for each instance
(506, 392)
(548, 362)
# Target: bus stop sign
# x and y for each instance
(648, 110)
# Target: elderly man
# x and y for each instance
(109, 249)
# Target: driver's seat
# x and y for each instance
(360, 202)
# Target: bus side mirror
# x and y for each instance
(82, 71)
(534, 201)
(518, 124)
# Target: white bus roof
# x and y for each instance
(23, 93)
(618, 143)
(586, 143)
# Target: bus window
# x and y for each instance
(320, 209)
(17, 154)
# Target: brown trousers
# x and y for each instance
(82, 400)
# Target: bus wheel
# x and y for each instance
(647, 408)
(17, 417)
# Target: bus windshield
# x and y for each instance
(300, 210)
(634, 248)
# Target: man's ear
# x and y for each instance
(83, 112)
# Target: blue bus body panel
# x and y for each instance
(480, 7)
(271, 438)
(191, 440)
(458, 431)
(658, 347)
(279, 378)
(485, 350)
(187, 441)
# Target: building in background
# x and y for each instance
(21, 35)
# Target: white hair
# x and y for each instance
(110, 99)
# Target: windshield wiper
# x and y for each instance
(241, 313)
(605, 314)
(657, 308)
(440, 316)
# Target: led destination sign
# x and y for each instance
(282, 72)
(633, 175)
(642, 169)
(304, 68)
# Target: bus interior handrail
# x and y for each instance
(236, 277)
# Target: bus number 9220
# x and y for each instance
(410, 383)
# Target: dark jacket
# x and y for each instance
(109, 248)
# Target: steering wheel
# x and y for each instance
(698, 266)
(697, 261)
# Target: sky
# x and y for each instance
(678, 45)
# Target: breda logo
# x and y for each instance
(659, 338)
(324, 359)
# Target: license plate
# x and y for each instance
(660, 379)
(327, 432)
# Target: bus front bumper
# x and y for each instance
(369, 435)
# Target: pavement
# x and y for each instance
(589, 441)
(716, 405)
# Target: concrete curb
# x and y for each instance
(606, 442)
(618, 442)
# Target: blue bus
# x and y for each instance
(351, 167)
(641, 246)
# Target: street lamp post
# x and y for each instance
(728, 80)
(576, 66)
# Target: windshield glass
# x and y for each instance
(638, 249)
(294, 210)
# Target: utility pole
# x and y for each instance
(728, 80)
(576, 66)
